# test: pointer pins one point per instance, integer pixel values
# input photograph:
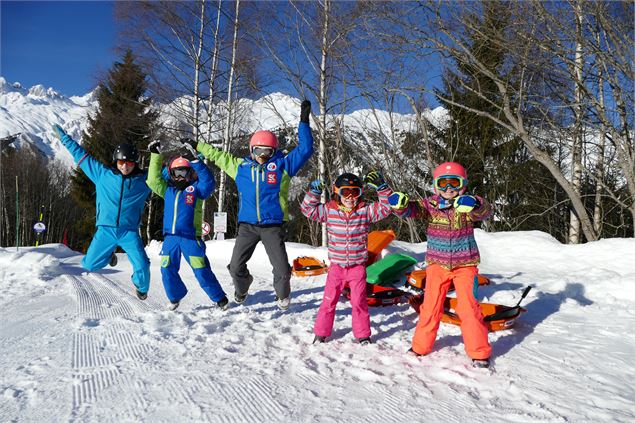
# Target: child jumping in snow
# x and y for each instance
(190, 182)
(452, 257)
(348, 220)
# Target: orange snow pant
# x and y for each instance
(474, 330)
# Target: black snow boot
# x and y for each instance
(223, 304)
(319, 339)
(141, 295)
(482, 363)
(364, 341)
(113, 260)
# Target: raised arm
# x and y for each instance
(91, 166)
(206, 182)
(302, 153)
(155, 180)
(311, 206)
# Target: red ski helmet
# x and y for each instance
(263, 138)
(180, 168)
(450, 170)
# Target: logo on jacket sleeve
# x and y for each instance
(190, 188)
(272, 178)
(189, 199)
(272, 166)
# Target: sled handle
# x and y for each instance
(522, 297)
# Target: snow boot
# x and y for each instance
(223, 304)
(364, 341)
(239, 299)
(141, 295)
(113, 260)
(319, 339)
(283, 303)
(480, 363)
(411, 351)
(173, 305)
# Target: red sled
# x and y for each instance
(380, 296)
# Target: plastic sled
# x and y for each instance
(377, 295)
(377, 241)
(389, 269)
(417, 279)
(308, 266)
(496, 316)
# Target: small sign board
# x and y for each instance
(206, 228)
(39, 227)
(220, 222)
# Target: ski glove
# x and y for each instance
(398, 200)
(191, 153)
(317, 187)
(375, 180)
(60, 132)
(188, 141)
(305, 111)
(155, 147)
(465, 203)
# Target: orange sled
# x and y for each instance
(377, 241)
(417, 279)
(496, 316)
(308, 266)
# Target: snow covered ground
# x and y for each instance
(81, 347)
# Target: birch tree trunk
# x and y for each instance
(228, 121)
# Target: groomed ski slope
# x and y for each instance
(81, 347)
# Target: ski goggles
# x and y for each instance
(455, 183)
(125, 162)
(181, 172)
(259, 151)
(348, 192)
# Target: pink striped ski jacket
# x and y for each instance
(347, 231)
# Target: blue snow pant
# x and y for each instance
(194, 252)
(104, 243)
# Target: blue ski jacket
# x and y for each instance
(263, 189)
(182, 209)
(120, 199)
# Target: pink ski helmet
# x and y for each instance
(180, 168)
(450, 170)
(264, 138)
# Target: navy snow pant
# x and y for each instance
(194, 252)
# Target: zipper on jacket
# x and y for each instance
(258, 193)
(176, 207)
(123, 181)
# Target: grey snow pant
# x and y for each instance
(272, 237)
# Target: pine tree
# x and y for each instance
(123, 116)
(499, 167)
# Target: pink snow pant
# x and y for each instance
(473, 329)
(336, 280)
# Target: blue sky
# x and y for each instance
(64, 45)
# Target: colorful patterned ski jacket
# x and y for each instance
(181, 211)
(347, 231)
(120, 199)
(450, 234)
(263, 189)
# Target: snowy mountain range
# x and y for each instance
(32, 112)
